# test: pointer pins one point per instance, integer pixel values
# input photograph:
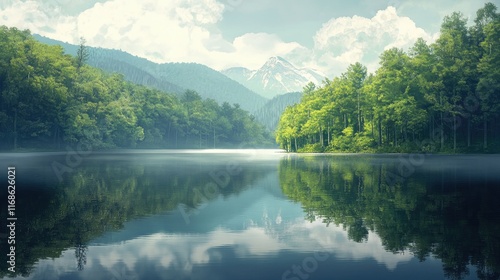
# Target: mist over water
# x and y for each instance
(255, 214)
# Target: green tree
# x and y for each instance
(82, 54)
(489, 82)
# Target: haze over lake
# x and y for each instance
(256, 214)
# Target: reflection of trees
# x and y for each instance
(96, 198)
(455, 221)
(81, 256)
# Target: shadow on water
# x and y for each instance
(445, 207)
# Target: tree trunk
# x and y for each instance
(379, 132)
(168, 130)
(359, 115)
(58, 137)
(328, 134)
(431, 124)
(404, 131)
(485, 124)
(321, 138)
(372, 124)
(468, 132)
(442, 132)
(387, 135)
(454, 133)
(433, 127)
(395, 137)
(15, 129)
(296, 144)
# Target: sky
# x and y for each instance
(326, 35)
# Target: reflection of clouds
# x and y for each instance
(52, 269)
(334, 239)
(180, 253)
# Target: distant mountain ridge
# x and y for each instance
(269, 115)
(169, 77)
(277, 76)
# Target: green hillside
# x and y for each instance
(170, 77)
(50, 100)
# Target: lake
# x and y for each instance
(252, 214)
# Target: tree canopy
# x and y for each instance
(439, 97)
(48, 99)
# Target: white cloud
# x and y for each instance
(186, 31)
(162, 31)
(346, 40)
(159, 30)
(253, 49)
(182, 252)
(35, 15)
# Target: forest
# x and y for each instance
(49, 99)
(442, 97)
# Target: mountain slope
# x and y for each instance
(270, 113)
(277, 76)
(169, 77)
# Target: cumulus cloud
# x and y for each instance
(162, 31)
(180, 253)
(253, 49)
(36, 16)
(159, 30)
(186, 31)
(346, 40)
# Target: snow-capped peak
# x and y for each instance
(277, 76)
(275, 61)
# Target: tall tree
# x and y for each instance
(453, 68)
(82, 54)
(489, 83)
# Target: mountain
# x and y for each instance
(169, 77)
(239, 74)
(270, 113)
(277, 76)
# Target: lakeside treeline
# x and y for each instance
(439, 97)
(49, 99)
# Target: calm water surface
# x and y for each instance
(253, 215)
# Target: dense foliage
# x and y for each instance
(442, 97)
(49, 99)
(169, 77)
(455, 221)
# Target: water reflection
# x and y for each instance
(116, 217)
(447, 208)
(102, 193)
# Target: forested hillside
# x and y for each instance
(439, 97)
(270, 113)
(49, 99)
(170, 77)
